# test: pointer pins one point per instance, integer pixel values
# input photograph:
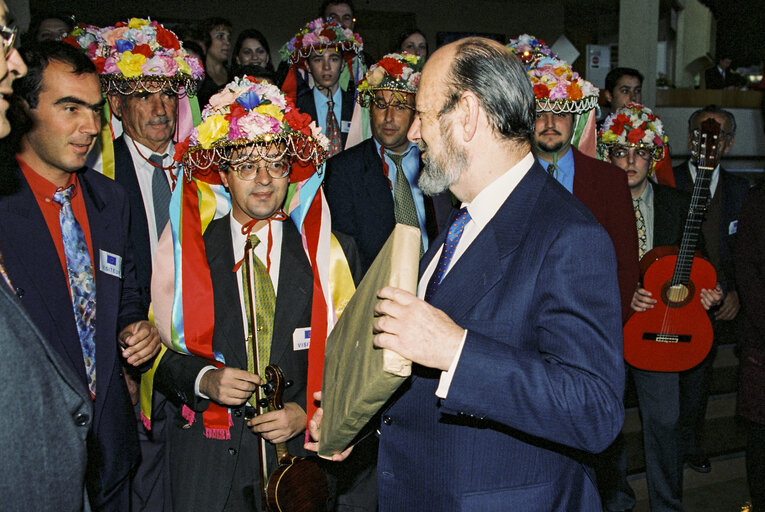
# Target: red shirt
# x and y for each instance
(43, 191)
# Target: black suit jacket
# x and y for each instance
(361, 203)
(733, 189)
(35, 269)
(306, 105)
(670, 208)
(204, 484)
(124, 174)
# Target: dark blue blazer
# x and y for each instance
(541, 374)
(124, 174)
(306, 105)
(361, 203)
(35, 270)
(733, 189)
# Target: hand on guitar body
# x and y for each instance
(314, 430)
(642, 299)
(281, 425)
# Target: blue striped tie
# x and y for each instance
(447, 253)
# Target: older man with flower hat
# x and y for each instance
(564, 120)
(373, 185)
(243, 294)
(144, 71)
(633, 139)
(324, 49)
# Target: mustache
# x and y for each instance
(159, 120)
(550, 131)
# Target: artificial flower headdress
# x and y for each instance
(636, 126)
(247, 113)
(394, 72)
(317, 36)
(138, 55)
(557, 87)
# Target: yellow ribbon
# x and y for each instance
(340, 279)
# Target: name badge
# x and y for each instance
(345, 126)
(733, 227)
(110, 263)
(301, 338)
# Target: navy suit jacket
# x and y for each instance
(361, 203)
(733, 189)
(35, 269)
(541, 375)
(306, 105)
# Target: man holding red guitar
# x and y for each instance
(632, 139)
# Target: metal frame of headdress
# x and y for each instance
(298, 54)
(180, 84)
(657, 152)
(567, 106)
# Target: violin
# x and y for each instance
(298, 484)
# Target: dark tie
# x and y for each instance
(404, 208)
(333, 130)
(552, 170)
(160, 193)
(82, 285)
(450, 244)
(640, 224)
(265, 302)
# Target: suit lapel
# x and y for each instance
(26, 238)
(295, 291)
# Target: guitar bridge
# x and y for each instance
(663, 337)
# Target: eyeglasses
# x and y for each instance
(9, 37)
(398, 106)
(622, 152)
(248, 171)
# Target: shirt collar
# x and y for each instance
(134, 144)
(43, 188)
(337, 97)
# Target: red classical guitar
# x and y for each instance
(677, 334)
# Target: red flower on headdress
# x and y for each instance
(71, 40)
(298, 121)
(329, 34)
(120, 24)
(618, 125)
(541, 91)
(635, 136)
(143, 49)
(392, 66)
(99, 62)
(236, 110)
(167, 39)
(180, 149)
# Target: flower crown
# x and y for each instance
(318, 35)
(138, 55)
(531, 51)
(557, 87)
(394, 72)
(633, 125)
(250, 113)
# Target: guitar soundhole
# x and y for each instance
(677, 296)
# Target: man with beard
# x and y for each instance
(515, 330)
(372, 186)
(602, 187)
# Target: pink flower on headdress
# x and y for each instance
(197, 71)
(559, 92)
(138, 36)
(310, 39)
(110, 66)
(112, 35)
(224, 98)
(160, 65)
(256, 125)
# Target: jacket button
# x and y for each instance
(238, 412)
(81, 419)
(387, 420)
(232, 451)
(19, 292)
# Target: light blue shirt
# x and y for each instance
(322, 102)
(411, 166)
(565, 174)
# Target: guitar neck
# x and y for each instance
(692, 228)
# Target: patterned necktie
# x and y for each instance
(640, 223)
(552, 170)
(450, 244)
(333, 131)
(265, 302)
(160, 193)
(82, 284)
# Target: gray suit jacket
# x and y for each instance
(47, 412)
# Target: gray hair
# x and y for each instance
(713, 109)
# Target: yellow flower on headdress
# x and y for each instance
(130, 64)
(609, 137)
(212, 129)
(183, 66)
(410, 58)
(270, 110)
(137, 23)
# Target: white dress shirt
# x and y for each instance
(713, 180)
(482, 209)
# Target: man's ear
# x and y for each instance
(609, 96)
(223, 178)
(470, 111)
(115, 104)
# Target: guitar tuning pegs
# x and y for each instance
(263, 402)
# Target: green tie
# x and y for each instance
(403, 200)
(265, 300)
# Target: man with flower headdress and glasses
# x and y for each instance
(324, 48)
(565, 122)
(373, 185)
(253, 140)
(144, 71)
(632, 138)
